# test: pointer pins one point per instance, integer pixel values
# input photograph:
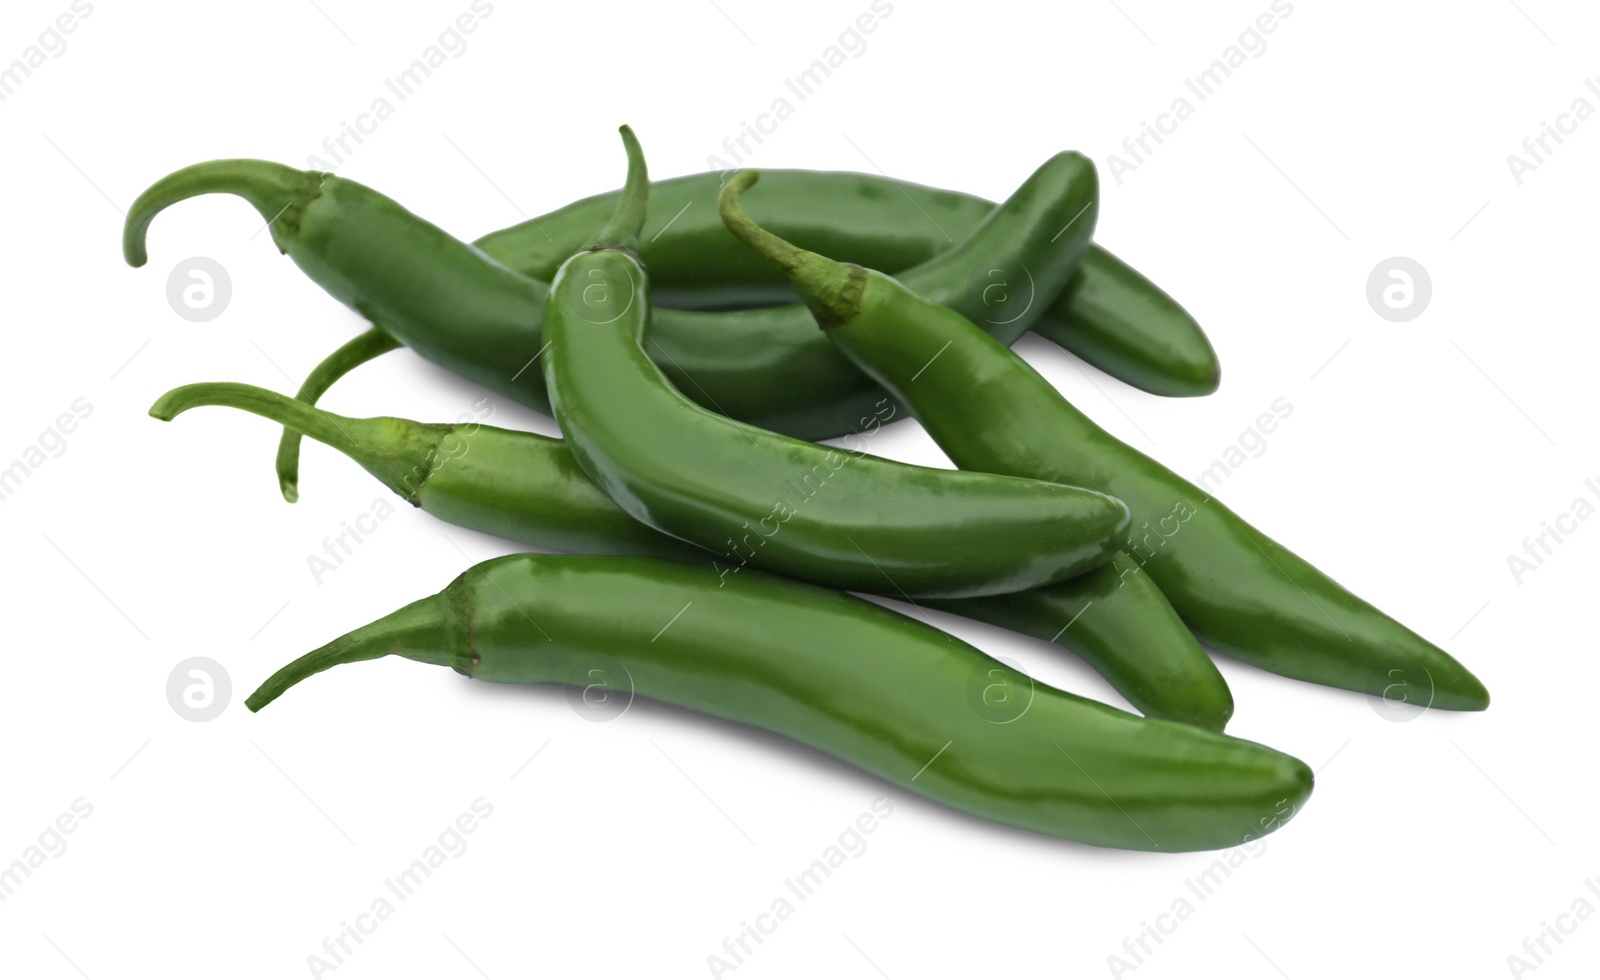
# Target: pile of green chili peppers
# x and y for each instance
(697, 339)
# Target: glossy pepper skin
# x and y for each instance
(528, 488)
(1108, 314)
(1117, 619)
(841, 518)
(1239, 591)
(459, 308)
(878, 690)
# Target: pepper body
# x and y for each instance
(842, 518)
(1241, 592)
(1118, 620)
(1108, 314)
(456, 306)
(528, 488)
(892, 696)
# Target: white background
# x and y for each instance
(1418, 457)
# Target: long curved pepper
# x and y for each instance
(866, 685)
(1241, 592)
(842, 518)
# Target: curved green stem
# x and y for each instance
(314, 422)
(831, 289)
(277, 192)
(420, 631)
(399, 452)
(372, 344)
(730, 205)
(622, 231)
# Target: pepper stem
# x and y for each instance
(421, 631)
(399, 452)
(627, 221)
(374, 343)
(318, 424)
(274, 190)
(832, 290)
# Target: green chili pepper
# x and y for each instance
(837, 517)
(1240, 592)
(528, 488)
(883, 692)
(1109, 315)
(457, 307)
